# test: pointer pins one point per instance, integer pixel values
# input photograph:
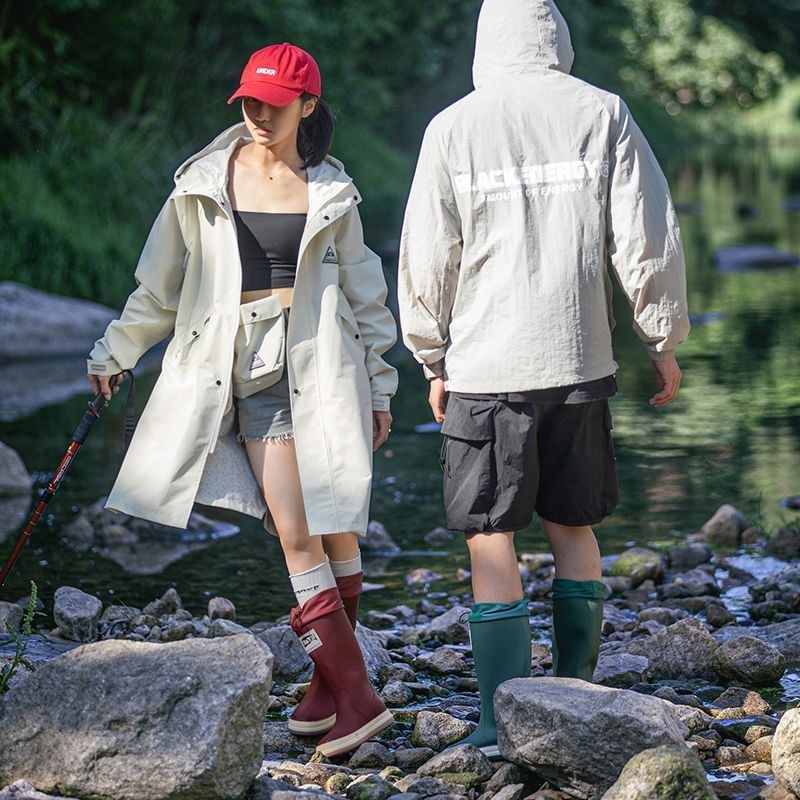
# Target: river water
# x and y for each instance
(732, 437)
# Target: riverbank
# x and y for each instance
(709, 633)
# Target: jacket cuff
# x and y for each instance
(381, 402)
(108, 367)
(660, 355)
(435, 370)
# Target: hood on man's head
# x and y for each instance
(519, 36)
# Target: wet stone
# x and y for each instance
(443, 661)
(221, 608)
(396, 694)
(437, 730)
(409, 758)
(371, 754)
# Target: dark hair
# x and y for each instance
(315, 134)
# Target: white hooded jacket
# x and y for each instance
(522, 191)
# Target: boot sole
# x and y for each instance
(346, 743)
(311, 728)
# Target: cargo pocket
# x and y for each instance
(259, 346)
(467, 458)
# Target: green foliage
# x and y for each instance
(7, 670)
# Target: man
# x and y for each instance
(522, 191)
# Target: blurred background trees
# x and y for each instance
(100, 101)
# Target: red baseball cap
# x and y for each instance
(279, 74)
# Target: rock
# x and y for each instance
(571, 732)
(100, 703)
(409, 758)
(76, 613)
(438, 536)
(312, 772)
(221, 608)
(786, 751)
(278, 742)
(640, 564)
(396, 694)
(666, 616)
(785, 543)
(508, 775)
(694, 719)
(688, 556)
(438, 730)
(371, 754)
(25, 790)
(10, 616)
(781, 588)
(513, 791)
(750, 661)
(785, 636)
(14, 478)
(168, 603)
(424, 787)
(717, 615)
(668, 772)
(139, 546)
(224, 627)
(376, 656)
(450, 627)
(621, 670)
(727, 756)
(761, 749)
(725, 527)
(291, 661)
(378, 621)
(378, 542)
(422, 576)
(462, 758)
(748, 700)
(369, 787)
(694, 583)
(683, 650)
(443, 661)
(744, 728)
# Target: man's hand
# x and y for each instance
(437, 398)
(381, 425)
(669, 381)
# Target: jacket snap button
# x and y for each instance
(358, 336)
(252, 313)
(219, 383)
(355, 197)
(194, 333)
(297, 391)
(326, 218)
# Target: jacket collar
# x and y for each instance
(206, 172)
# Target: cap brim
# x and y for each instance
(266, 93)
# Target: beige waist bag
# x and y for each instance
(259, 346)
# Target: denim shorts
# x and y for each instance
(267, 414)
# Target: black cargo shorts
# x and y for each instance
(503, 460)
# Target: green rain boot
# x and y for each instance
(577, 617)
(501, 647)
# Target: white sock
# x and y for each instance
(312, 582)
(343, 568)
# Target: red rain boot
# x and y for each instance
(326, 633)
(316, 712)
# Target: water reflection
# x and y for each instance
(731, 437)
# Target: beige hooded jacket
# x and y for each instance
(522, 190)
(189, 279)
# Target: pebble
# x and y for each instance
(371, 754)
(437, 730)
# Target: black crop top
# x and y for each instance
(269, 244)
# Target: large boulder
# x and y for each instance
(68, 326)
(725, 527)
(785, 636)
(684, 650)
(140, 721)
(662, 773)
(786, 751)
(577, 734)
(15, 490)
(639, 564)
(751, 661)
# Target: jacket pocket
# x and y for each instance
(259, 346)
(192, 332)
(348, 318)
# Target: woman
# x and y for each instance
(272, 413)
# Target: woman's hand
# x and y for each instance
(107, 384)
(381, 425)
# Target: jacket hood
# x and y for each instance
(518, 37)
(206, 171)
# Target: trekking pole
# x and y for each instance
(90, 416)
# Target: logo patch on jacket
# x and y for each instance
(310, 641)
(330, 257)
(256, 362)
